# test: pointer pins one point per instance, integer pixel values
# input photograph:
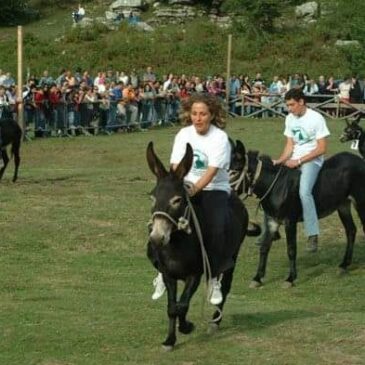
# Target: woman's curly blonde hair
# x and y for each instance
(214, 105)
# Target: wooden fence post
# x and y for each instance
(20, 80)
(229, 51)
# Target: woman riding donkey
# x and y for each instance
(306, 144)
(207, 182)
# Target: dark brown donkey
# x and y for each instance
(340, 183)
(10, 134)
(176, 252)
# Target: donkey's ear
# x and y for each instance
(240, 148)
(185, 164)
(154, 162)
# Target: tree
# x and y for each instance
(260, 13)
(13, 11)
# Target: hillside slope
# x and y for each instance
(197, 48)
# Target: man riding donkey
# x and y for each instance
(306, 143)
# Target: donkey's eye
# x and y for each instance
(176, 201)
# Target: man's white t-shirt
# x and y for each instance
(305, 131)
(211, 149)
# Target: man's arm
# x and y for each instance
(318, 151)
(287, 152)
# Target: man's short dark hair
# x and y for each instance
(295, 94)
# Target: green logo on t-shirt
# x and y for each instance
(200, 163)
(300, 135)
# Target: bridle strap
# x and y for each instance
(268, 191)
(241, 179)
(256, 177)
(183, 224)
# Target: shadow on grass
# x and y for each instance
(328, 258)
(53, 180)
(246, 322)
(263, 320)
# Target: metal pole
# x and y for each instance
(229, 51)
(20, 79)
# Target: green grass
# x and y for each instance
(75, 284)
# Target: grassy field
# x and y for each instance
(75, 283)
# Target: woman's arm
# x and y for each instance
(203, 181)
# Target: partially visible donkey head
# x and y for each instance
(352, 130)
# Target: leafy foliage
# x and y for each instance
(260, 13)
(14, 12)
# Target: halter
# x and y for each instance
(182, 224)
(256, 177)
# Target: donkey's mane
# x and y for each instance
(266, 160)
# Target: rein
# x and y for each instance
(256, 177)
(272, 184)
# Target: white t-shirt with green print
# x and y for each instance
(211, 149)
(305, 131)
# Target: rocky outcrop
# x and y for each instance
(119, 5)
(344, 43)
(221, 21)
(308, 12)
(181, 2)
(177, 14)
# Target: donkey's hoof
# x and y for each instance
(212, 328)
(167, 348)
(287, 284)
(255, 284)
(342, 271)
(169, 343)
(186, 328)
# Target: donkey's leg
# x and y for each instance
(15, 149)
(264, 252)
(5, 158)
(344, 212)
(291, 241)
(171, 286)
(360, 208)
(191, 285)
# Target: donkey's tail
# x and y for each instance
(254, 230)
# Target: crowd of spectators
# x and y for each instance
(349, 89)
(110, 101)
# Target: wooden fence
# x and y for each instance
(272, 105)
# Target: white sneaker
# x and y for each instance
(159, 287)
(216, 296)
